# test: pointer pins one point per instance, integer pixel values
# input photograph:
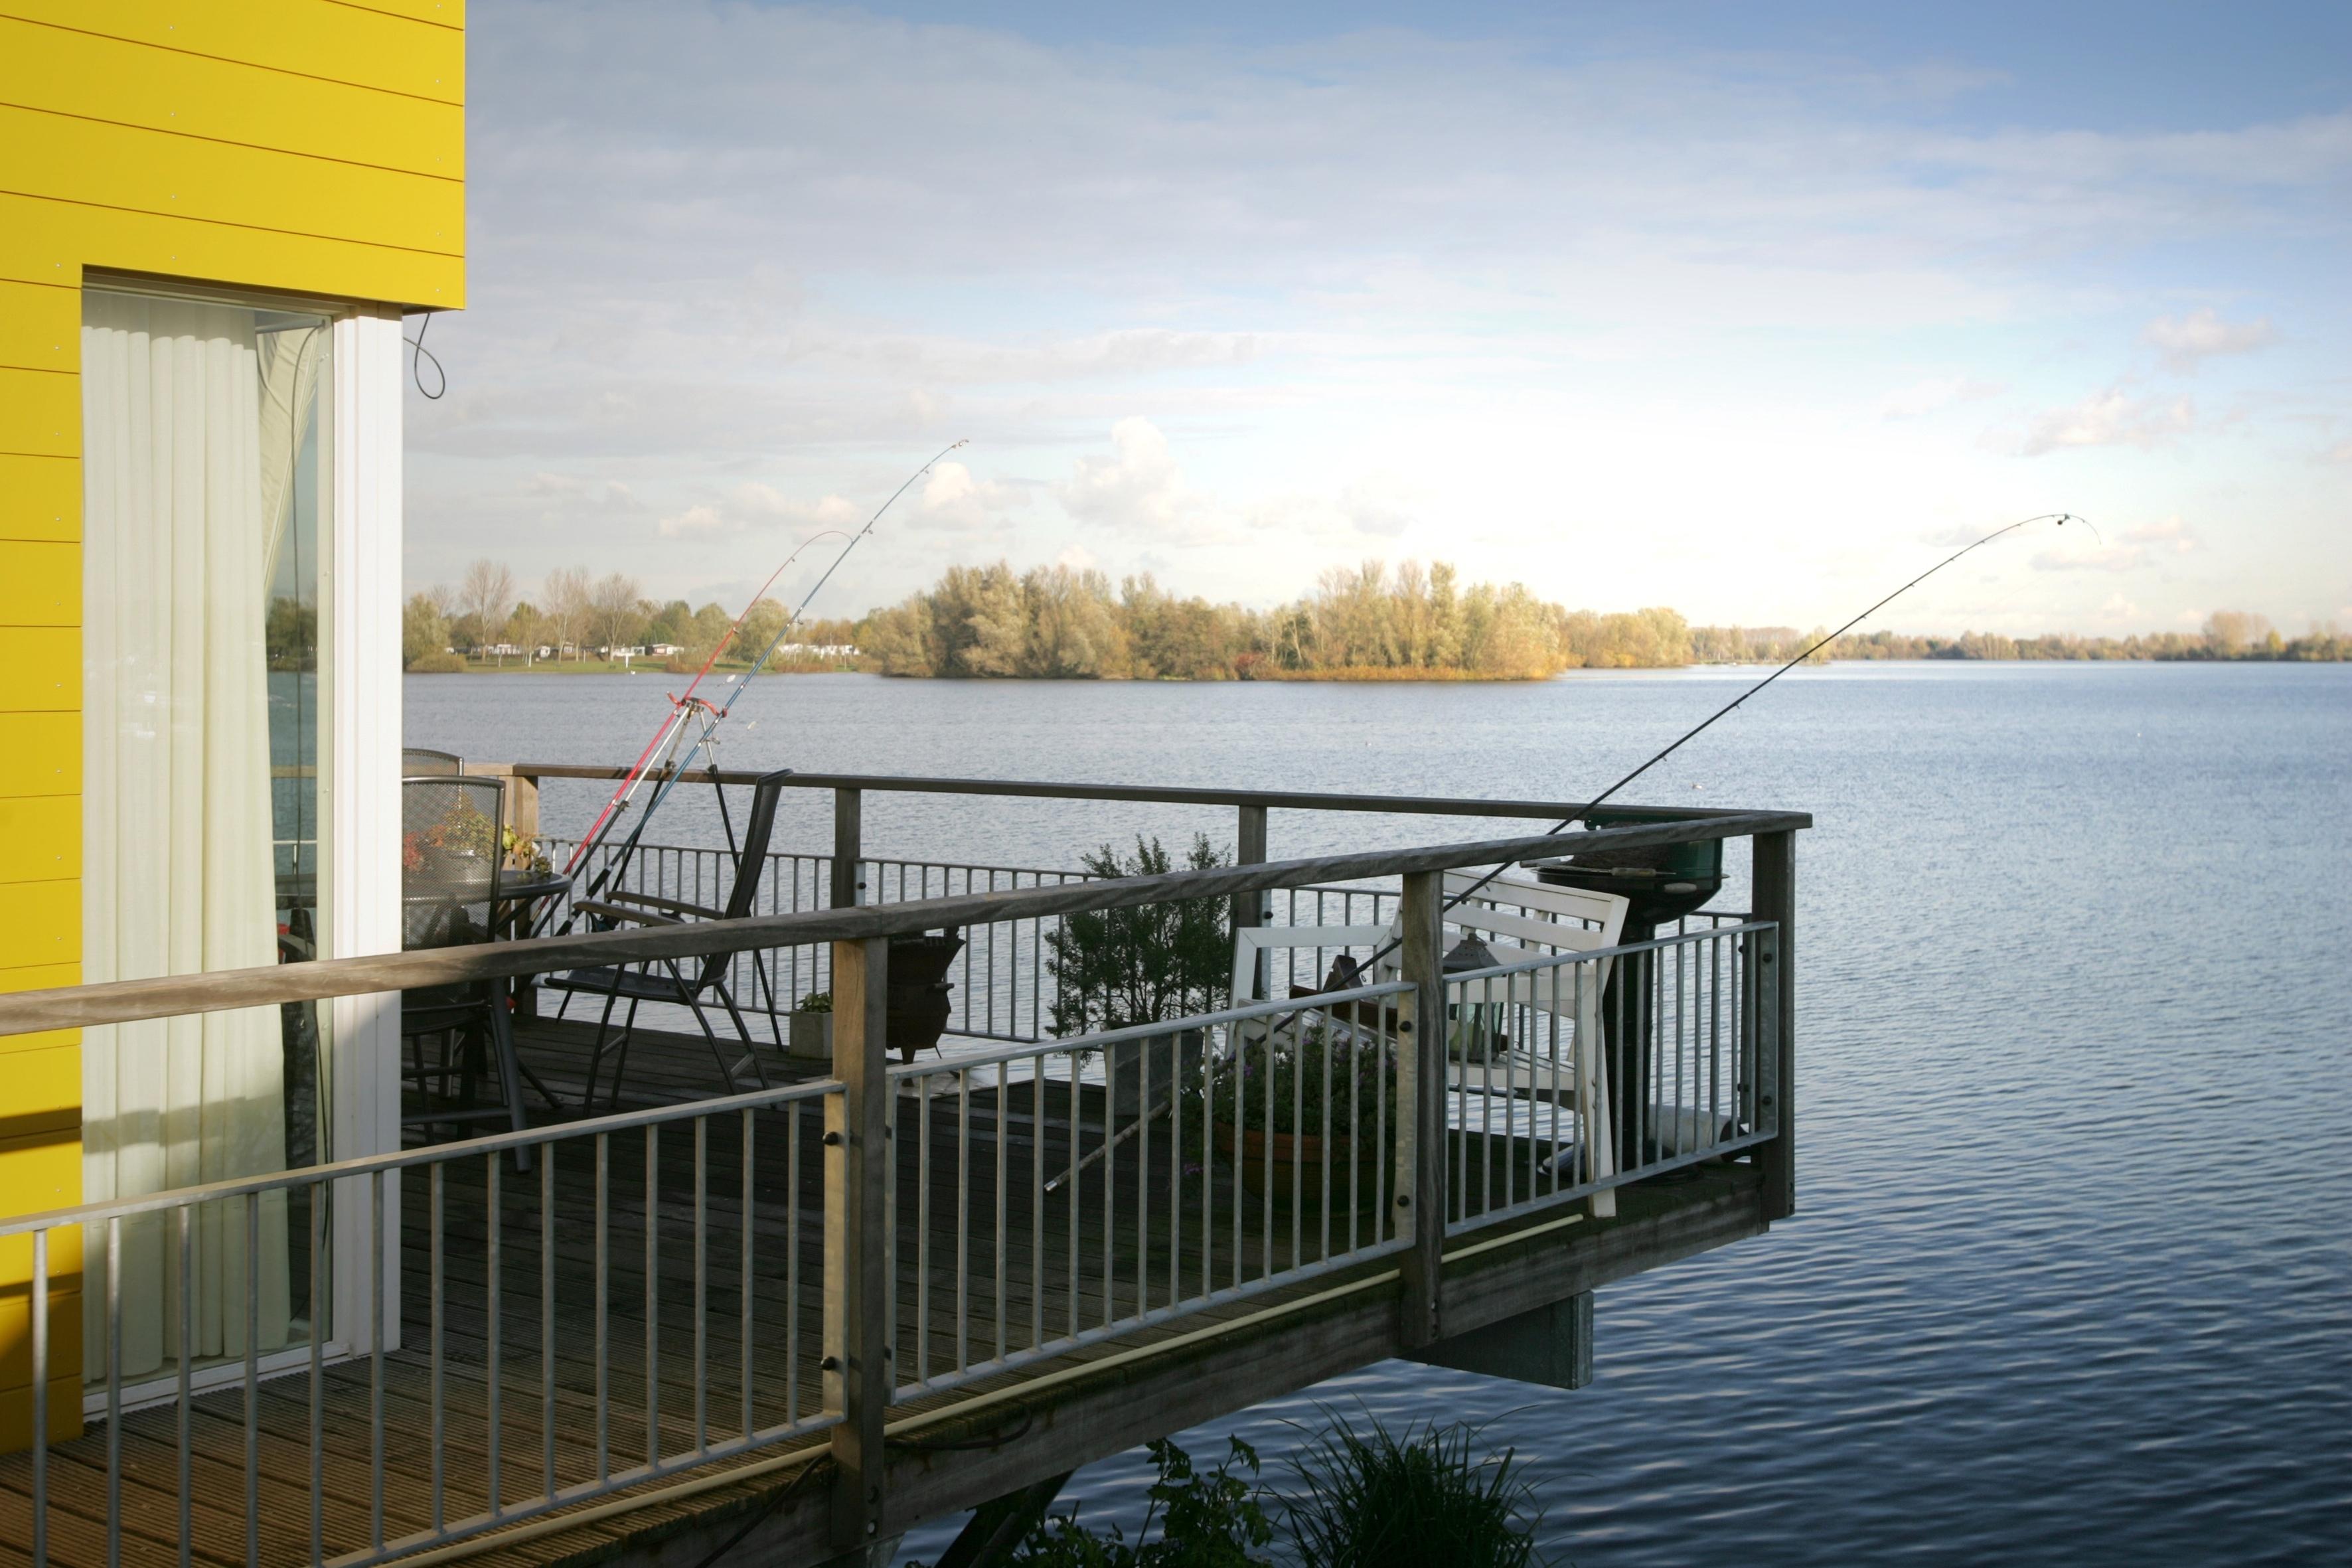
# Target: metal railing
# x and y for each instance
(646, 1298)
(635, 1305)
(1140, 1163)
(1003, 988)
(1573, 1075)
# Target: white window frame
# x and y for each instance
(360, 621)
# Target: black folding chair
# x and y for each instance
(450, 855)
(664, 980)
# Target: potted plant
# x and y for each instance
(1291, 1101)
(812, 1028)
(1114, 969)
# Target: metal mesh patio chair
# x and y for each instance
(416, 762)
(665, 981)
(450, 855)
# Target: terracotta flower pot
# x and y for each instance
(1301, 1153)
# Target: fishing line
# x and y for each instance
(1585, 811)
(1348, 972)
(685, 707)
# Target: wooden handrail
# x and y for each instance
(1159, 794)
(127, 1001)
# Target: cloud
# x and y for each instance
(575, 493)
(2187, 341)
(1139, 487)
(2110, 418)
(953, 501)
(755, 505)
(1382, 507)
(1939, 392)
(1636, 273)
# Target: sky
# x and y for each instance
(1751, 311)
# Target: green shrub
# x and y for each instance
(1215, 1519)
(438, 663)
(1116, 968)
(1355, 1073)
(1381, 1500)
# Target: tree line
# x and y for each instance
(578, 616)
(1370, 622)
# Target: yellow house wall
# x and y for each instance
(307, 146)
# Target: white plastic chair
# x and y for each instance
(1517, 919)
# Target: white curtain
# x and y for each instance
(177, 868)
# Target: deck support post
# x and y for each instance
(1776, 901)
(848, 850)
(1249, 909)
(858, 1376)
(1421, 1110)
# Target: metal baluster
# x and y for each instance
(435, 1294)
(1004, 1177)
(376, 1283)
(114, 1388)
(319, 1378)
(1266, 1163)
(603, 1306)
(963, 1220)
(653, 1294)
(494, 1304)
(744, 1229)
(792, 1265)
(1110, 1185)
(1038, 1201)
(1143, 1108)
(184, 1424)
(922, 1228)
(701, 1285)
(40, 1443)
(547, 1315)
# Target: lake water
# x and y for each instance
(2071, 1278)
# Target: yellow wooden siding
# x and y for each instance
(92, 78)
(40, 669)
(350, 45)
(40, 841)
(89, 161)
(40, 583)
(41, 498)
(40, 413)
(40, 327)
(304, 146)
(40, 924)
(43, 241)
(44, 753)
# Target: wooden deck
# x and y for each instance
(949, 1450)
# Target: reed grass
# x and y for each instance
(1371, 1497)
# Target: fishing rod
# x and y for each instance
(1348, 972)
(704, 716)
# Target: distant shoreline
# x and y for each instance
(1375, 677)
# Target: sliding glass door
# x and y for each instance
(207, 490)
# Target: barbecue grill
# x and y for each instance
(1661, 883)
